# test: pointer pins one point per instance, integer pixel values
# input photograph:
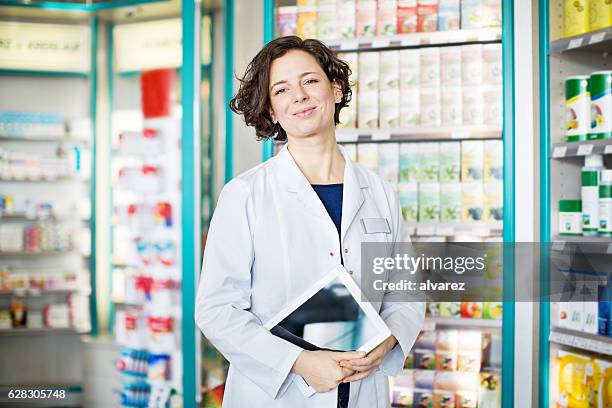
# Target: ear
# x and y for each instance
(337, 91)
(272, 116)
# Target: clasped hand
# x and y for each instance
(325, 370)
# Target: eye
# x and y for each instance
(310, 81)
(279, 91)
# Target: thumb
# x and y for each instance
(347, 355)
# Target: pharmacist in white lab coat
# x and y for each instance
(271, 237)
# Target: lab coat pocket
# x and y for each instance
(375, 226)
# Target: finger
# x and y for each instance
(347, 355)
(357, 376)
(362, 361)
(346, 372)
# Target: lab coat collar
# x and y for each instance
(292, 178)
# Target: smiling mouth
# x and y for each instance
(304, 113)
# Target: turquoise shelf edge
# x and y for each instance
(93, 108)
(544, 332)
(52, 5)
(268, 35)
(229, 88)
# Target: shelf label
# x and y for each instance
(45, 47)
(608, 149)
(148, 45)
(425, 231)
(596, 38)
(346, 136)
(575, 43)
(559, 151)
(445, 231)
(585, 150)
(481, 231)
(580, 342)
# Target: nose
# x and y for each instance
(300, 95)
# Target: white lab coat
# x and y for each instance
(270, 238)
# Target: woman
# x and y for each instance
(280, 226)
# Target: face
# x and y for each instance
(302, 98)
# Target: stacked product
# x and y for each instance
(451, 368)
(69, 160)
(146, 281)
(579, 380)
(440, 181)
(368, 18)
(16, 280)
(428, 87)
(33, 238)
(588, 103)
(17, 205)
(592, 214)
(466, 310)
(582, 16)
(592, 316)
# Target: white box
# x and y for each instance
(389, 70)
(452, 106)
(410, 68)
(388, 162)
(450, 66)
(410, 107)
(430, 107)
(369, 70)
(493, 105)
(473, 109)
(367, 155)
(367, 117)
(471, 64)
(430, 67)
(389, 108)
(492, 69)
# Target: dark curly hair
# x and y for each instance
(253, 98)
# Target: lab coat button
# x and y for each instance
(331, 254)
(350, 272)
(346, 250)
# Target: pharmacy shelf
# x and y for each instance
(43, 180)
(481, 229)
(37, 253)
(42, 220)
(431, 323)
(600, 40)
(594, 245)
(413, 40)
(38, 292)
(584, 148)
(585, 341)
(38, 331)
(418, 134)
(54, 139)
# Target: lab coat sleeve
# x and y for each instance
(224, 297)
(403, 316)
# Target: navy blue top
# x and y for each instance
(331, 197)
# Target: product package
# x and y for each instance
(450, 309)
(450, 66)
(430, 67)
(286, 20)
(491, 13)
(389, 71)
(575, 17)
(307, 22)
(493, 160)
(600, 87)
(577, 108)
(410, 107)
(449, 15)
(367, 154)
(600, 14)
(367, 109)
(369, 71)
(472, 202)
(452, 105)
(326, 21)
(472, 152)
(406, 16)
(386, 17)
(470, 351)
(493, 105)
(427, 16)
(493, 200)
(450, 202)
(389, 108)
(473, 105)
(489, 393)
(492, 68)
(430, 106)
(450, 161)
(472, 61)
(447, 342)
(410, 68)
(346, 17)
(366, 18)
(409, 201)
(471, 14)
(409, 162)
(388, 162)
(429, 202)
(429, 164)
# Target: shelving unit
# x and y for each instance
(561, 164)
(419, 134)
(432, 323)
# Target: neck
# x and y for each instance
(318, 157)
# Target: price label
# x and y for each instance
(381, 135)
(481, 231)
(585, 150)
(559, 151)
(459, 134)
(346, 136)
(608, 149)
(580, 342)
(575, 43)
(595, 38)
(445, 231)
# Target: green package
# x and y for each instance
(449, 157)
(409, 164)
(409, 201)
(429, 202)
(429, 164)
(450, 202)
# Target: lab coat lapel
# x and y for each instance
(352, 194)
(292, 178)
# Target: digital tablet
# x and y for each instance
(329, 316)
